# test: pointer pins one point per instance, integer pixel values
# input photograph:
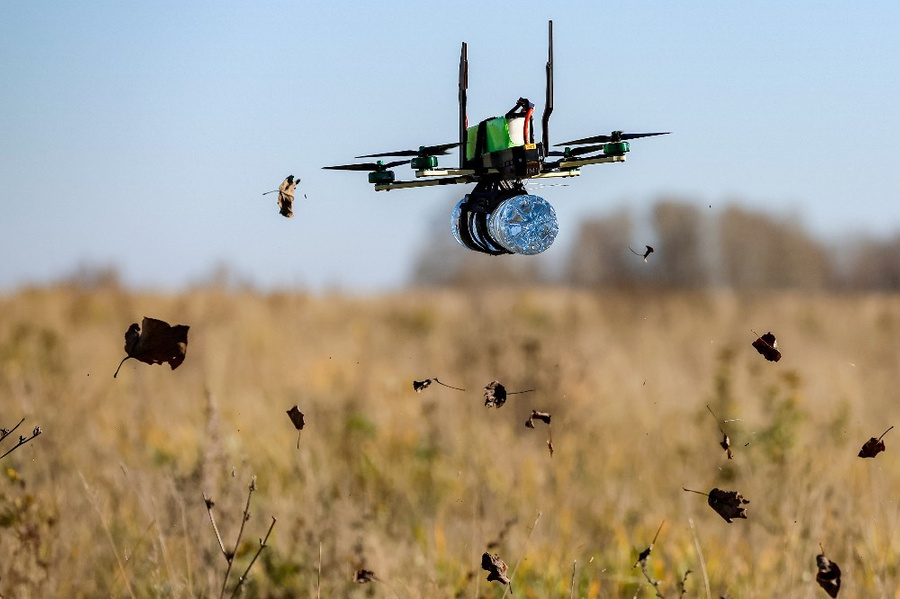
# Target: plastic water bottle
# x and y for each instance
(524, 224)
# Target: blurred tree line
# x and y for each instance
(693, 248)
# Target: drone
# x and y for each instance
(499, 216)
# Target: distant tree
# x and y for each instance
(874, 265)
(758, 251)
(680, 245)
(444, 263)
(600, 256)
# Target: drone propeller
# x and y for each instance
(377, 167)
(422, 152)
(572, 152)
(615, 136)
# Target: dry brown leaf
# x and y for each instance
(828, 575)
(286, 196)
(495, 567)
(726, 445)
(495, 394)
(645, 254)
(155, 342)
(419, 386)
(363, 576)
(298, 420)
(768, 347)
(873, 446)
(728, 504)
(543, 417)
(535, 415)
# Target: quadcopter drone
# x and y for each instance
(499, 216)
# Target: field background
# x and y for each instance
(108, 500)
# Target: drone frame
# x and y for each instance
(428, 173)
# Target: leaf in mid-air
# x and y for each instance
(728, 504)
(495, 394)
(535, 415)
(768, 347)
(726, 445)
(873, 446)
(828, 575)
(286, 196)
(363, 576)
(543, 417)
(155, 342)
(419, 386)
(298, 420)
(495, 567)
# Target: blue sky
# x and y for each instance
(142, 135)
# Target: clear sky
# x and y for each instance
(142, 135)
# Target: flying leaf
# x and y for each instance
(363, 576)
(728, 504)
(543, 417)
(645, 254)
(495, 394)
(299, 421)
(725, 443)
(419, 386)
(768, 347)
(829, 575)
(643, 555)
(496, 568)
(286, 196)
(155, 342)
(873, 446)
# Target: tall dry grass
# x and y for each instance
(108, 501)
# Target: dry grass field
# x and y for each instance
(108, 501)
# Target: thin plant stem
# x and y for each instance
(653, 583)
(237, 542)
(700, 557)
(212, 520)
(116, 373)
(262, 545)
(109, 536)
(572, 586)
(446, 385)
(319, 572)
(524, 546)
(4, 434)
(22, 440)
(187, 545)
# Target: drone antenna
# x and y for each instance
(548, 102)
(463, 86)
